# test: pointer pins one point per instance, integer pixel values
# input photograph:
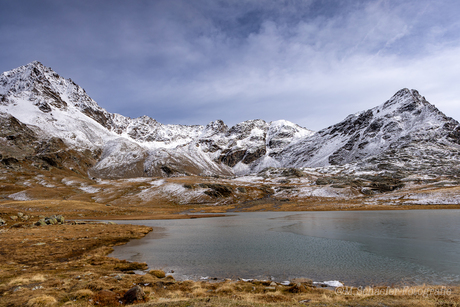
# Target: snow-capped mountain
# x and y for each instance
(55, 107)
(49, 115)
(406, 132)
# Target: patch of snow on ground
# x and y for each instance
(172, 191)
(330, 283)
(20, 196)
(69, 182)
(249, 179)
(433, 199)
(323, 192)
(46, 184)
(137, 179)
(89, 189)
(27, 183)
(157, 183)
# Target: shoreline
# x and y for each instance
(37, 265)
(197, 215)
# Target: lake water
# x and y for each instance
(356, 247)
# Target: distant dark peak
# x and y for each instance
(148, 120)
(217, 126)
(37, 67)
(35, 63)
(407, 100)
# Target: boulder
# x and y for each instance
(135, 294)
(40, 222)
(51, 221)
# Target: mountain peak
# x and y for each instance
(35, 64)
(405, 97)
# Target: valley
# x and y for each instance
(63, 154)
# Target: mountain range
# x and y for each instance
(48, 121)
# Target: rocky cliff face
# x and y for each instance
(44, 113)
(36, 96)
(406, 130)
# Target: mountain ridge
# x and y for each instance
(55, 107)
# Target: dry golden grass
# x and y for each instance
(73, 263)
(42, 301)
(83, 293)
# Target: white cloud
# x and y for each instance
(310, 62)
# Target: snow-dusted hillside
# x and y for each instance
(406, 131)
(56, 107)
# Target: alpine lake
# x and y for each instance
(358, 248)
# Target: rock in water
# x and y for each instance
(134, 294)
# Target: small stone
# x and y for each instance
(13, 217)
(134, 294)
(273, 284)
(286, 283)
(51, 221)
(119, 276)
(20, 214)
(40, 223)
(60, 219)
(2, 222)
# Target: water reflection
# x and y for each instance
(360, 248)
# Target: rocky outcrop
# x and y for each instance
(398, 132)
(50, 122)
(135, 294)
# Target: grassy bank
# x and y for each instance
(67, 265)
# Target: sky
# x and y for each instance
(312, 62)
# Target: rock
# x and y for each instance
(242, 190)
(25, 218)
(60, 219)
(292, 172)
(217, 190)
(2, 222)
(111, 223)
(20, 214)
(304, 281)
(133, 295)
(13, 217)
(40, 222)
(285, 283)
(322, 181)
(51, 221)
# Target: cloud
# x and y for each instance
(190, 62)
